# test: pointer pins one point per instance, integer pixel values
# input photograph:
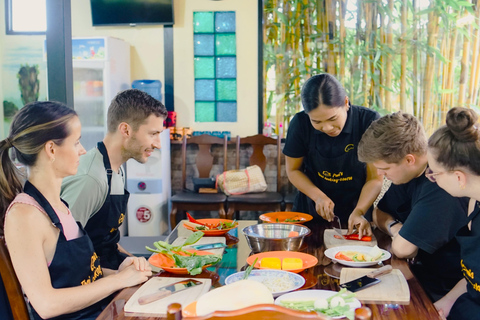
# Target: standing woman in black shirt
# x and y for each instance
(321, 155)
(454, 164)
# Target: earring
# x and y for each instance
(462, 186)
(53, 160)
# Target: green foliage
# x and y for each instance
(9, 109)
(28, 83)
(296, 56)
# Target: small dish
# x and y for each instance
(212, 232)
(281, 216)
(330, 253)
(161, 260)
(308, 260)
(291, 281)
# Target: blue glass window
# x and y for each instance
(225, 22)
(215, 66)
(226, 67)
(205, 90)
(203, 45)
(227, 111)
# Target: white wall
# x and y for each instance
(247, 59)
(146, 42)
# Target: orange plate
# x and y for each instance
(162, 261)
(212, 232)
(281, 216)
(308, 260)
(190, 310)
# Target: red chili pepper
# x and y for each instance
(354, 237)
(192, 219)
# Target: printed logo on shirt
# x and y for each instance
(469, 276)
(122, 217)
(349, 147)
(96, 268)
(334, 177)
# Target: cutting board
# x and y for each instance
(159, 307)
(202, 240)
(330, 241)
(393, 287)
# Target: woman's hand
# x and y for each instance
(134, 270)
(324, 207)
(443, 307)
(357, 220)
(140, 264)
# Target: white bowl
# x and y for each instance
(268, 275)
(330, 253)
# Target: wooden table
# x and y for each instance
(420, 306)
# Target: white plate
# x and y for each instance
(263, 274)
(315, 294)
(330, 253)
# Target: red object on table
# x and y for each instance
(354, 237)
(192, 219)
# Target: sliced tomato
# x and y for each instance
(341, 256)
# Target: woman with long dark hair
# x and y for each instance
(321, 155)
(52, 256)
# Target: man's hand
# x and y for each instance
(357, 220)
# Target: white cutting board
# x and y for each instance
(393, 287)
(202, 240)
(330, 241)
(159, 307)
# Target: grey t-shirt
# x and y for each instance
(86, 191)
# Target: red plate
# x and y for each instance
(281, 216)
(161, 260)
(308, 260)
(212, 232)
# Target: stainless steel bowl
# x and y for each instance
(274, 237)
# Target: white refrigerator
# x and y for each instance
(101, 68)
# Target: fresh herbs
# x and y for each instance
(184, 259)
(217, 226)
(249, 269)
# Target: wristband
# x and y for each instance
(391, 224)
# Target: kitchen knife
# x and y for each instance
(335, 222)
(367, 280)
(169, 290)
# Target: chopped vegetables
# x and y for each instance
(333, 306)
(374, 254)
(184, 259)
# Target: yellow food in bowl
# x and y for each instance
(292, 263)
(271, 263)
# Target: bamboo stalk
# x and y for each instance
(403, 58)
(381, 90)
(432, 29)
(451, 74)
(373, 43)
(356, 58)
(388, 69)
(342, 36)
(464, 68)
(365, 61)
(474, 60)
(330, 28)
(415, 60)
(443, 70)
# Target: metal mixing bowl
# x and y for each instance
(274, 237)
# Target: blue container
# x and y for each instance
(152, 87)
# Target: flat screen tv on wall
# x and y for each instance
(131, 12)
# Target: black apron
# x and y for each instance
(103, 226)
(340, 178)
(75, 263)
(467, 305)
